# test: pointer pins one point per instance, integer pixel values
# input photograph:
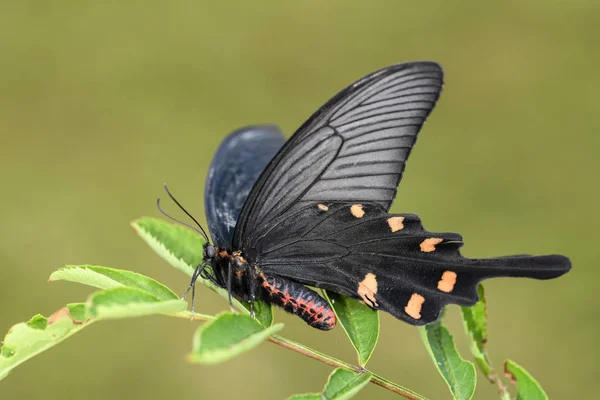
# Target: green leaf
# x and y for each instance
(360, 322)
(38, 322)
(124, 302)
(475, 323)
(342, 384)
(527, 387)
(179, 246)
(27, 339)
(228, 336)
(263, 312)
(79, 311)
(459, 374)
(107, 278)
(183, 248)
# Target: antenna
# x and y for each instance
(201, 231)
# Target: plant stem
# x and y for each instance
(317, 355)
(391, 386)
(334, 362)
(502, 390)
(311, 353)
(193, 317)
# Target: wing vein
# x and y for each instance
(375, 151)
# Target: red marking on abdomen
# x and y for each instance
(299, 300)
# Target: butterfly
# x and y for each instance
(313, 211)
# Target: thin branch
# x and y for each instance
(311, 353)
(334, 362)
(495, 379)
(393, 387)
(317, 355)
(192, 316)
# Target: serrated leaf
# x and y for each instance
(107, 278)
(27, 339)
(458, 373)
(527, 387)
(475, 323)
(360, 323)
(228, 336)
(342, 384)
(124, 302)
(182, 248)
(179, 246)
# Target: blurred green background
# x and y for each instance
(102, 102)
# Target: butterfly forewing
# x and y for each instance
(353, 149)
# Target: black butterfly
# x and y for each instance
(318, 213)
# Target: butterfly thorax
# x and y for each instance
(243, 275)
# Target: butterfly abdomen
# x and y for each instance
(297, 299)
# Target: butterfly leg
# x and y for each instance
(195, 275)
(193, 298)
(199, 269)
(252, 289)
(229, 284)
(297, 299)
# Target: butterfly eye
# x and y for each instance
(209, 251)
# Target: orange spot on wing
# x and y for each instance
(367, 289)
(446, 284)
(413, 308)
(323, 207)
(396, 223)
(357, 210)
(428, 245)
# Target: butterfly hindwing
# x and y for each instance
(361, 251)
(390, 262)
(236, 166)
(353, 149)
